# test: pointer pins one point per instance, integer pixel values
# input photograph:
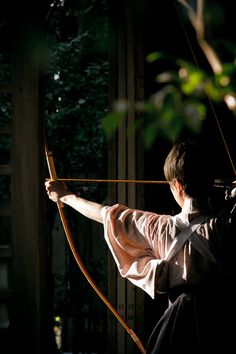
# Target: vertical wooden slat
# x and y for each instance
(112, 173)
(131, 152)
(122, 151)
(140, 197)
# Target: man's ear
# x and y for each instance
(179, 186)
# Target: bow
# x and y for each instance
(53, 176)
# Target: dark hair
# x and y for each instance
(187, 162)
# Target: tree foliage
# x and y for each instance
(76, 90)
(184, 87)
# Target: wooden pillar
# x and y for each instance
(29, 241)
(125, 159)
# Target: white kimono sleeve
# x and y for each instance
(127, 233)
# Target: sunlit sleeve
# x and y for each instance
(130, 237)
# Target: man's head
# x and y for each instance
(188, 165)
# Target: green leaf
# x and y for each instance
(151, 57)
(111, 122)
(194, 82)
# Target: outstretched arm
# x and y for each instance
(58, 191)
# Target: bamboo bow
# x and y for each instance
(53, 176)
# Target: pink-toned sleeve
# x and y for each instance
(130, 237)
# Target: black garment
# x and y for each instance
(196, 322)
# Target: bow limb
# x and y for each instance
(53, 176)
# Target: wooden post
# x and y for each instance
(125, 159)
(30, 274)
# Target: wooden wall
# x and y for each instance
(125, 159)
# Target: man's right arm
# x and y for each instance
(58, 191)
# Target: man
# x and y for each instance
(194, 322)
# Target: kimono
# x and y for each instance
(197, 319)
